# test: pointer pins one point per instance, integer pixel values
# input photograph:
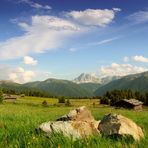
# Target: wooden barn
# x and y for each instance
(130, 104)
(9, 97)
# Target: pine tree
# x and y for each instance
(146, 101)
(1, 96)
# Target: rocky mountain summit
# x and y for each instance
(86, 78)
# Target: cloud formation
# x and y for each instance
(35, 5)
(29, 61)
(139, 17)
(116, 69)
(19, 75)
(45, 32)
(140, 59)
(93, 17)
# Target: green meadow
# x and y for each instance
(18, 120)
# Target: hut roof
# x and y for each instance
(7, 96)
(133, 102)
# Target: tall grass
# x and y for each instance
(18, 122)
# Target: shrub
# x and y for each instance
(104, 100)
(22, 95)
(67, 102)
(94, 104)
(61, 100)
(44, 103)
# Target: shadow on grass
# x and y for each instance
(119, 138)
(56, 139)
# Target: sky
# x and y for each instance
(62, 39)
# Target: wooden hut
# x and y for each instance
(130, 104)
(9, 97)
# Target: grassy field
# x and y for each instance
(19, 119)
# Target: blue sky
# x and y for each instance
(62, 39)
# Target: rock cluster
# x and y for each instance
(79, 123)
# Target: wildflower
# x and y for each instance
(58, 145)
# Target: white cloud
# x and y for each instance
(72, 49)
(139, 17)
(120, 70)
(94, 17)
(13, 77)
(19, 75)
(29, 60)
(35, 5)
(19, 70)
(4, 71)
(44, 33)
(140, 59)
(28, 75)
(104, 41)
(117, 9)
(125, 59)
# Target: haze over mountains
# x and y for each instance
(85, 85)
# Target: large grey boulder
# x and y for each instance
(113, 124)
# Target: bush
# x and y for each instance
(44, 103)
(61, 100)
(1, 96)
(67, 102)
(94, 104)
(104, 100)
(22, 95)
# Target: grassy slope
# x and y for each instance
(90, 87)
(18, 121)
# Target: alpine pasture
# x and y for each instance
(18, 120)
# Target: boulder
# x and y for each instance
(78, 114)
(76, 129)
(113, 124)
(77, 123)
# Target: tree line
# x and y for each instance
(26, 92)
(111, 97)
(36, 93)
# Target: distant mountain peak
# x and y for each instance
(86, 78)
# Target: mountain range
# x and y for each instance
(85, 85)
(57, 87)
(135, 82)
